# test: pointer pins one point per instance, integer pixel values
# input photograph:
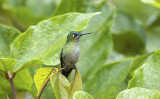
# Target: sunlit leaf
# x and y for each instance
(42, 76)
(147, 76)
(139, 93)
(43, 43)
(82, 95)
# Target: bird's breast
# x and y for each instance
(71, 55)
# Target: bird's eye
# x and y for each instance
(74, 35)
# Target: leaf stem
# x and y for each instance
(73, 81)
(12, 85)
(40, 93)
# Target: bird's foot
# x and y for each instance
(74, 67)
(67, 67)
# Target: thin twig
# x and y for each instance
(61, 69)
(12, 85)
(40, 93)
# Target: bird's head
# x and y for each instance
(73, 35)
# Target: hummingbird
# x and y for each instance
(70, 52)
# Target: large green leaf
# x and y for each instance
(139, 93)
(147, 76)
(7, 35)
(61, 85)
(82, 95)
(43, 43)
(125, 31)
(109, 80)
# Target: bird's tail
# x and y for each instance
(66, 73)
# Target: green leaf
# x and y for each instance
(42, 43)
(48, 88)
(109, 80)
(41, 77)
(76, 84)
(147, 76)
(139, 93)
(7, 64)
(63, 89)
(125, 31)
(60, 85)
(82, 95)
(138, 61)
(155, 3)
(7, 35)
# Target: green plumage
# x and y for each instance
(70, 52)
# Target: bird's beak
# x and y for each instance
(85, 34)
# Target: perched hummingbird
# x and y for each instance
(70, 52)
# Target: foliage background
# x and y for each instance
(121, 57)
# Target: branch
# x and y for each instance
(12, 85)
(40, 93)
